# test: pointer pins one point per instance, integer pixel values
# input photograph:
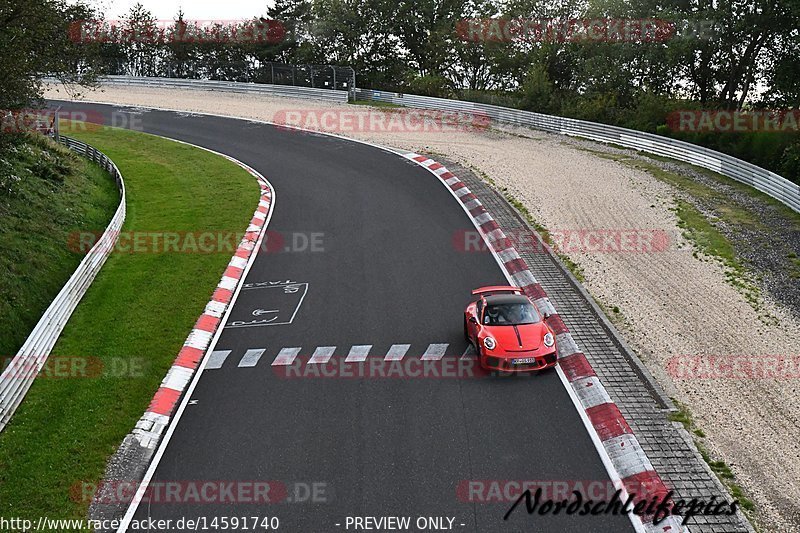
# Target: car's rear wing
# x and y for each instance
(497, 288)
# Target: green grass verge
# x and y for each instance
(139, 309)
(720, 468)
(48, 193)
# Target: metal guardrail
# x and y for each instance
(18, 376)
(764, 180)
(759, 178)
(232, 86)
(272, 72)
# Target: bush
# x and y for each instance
(790, 162)
(537, 91)
(32, 156)
(429, 85)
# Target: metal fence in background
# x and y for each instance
(228, 86)
(18, 376)
(764, 180)
(336, 77)
(759, 178)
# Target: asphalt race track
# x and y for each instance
(382, 270)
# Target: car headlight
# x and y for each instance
(548, 339)
(489, 343)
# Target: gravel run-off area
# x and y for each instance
(673, 306)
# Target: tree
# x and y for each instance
(37, 39)
(141, 42)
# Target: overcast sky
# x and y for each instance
(194, 9)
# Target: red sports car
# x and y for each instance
(508, 332)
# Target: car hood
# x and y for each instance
(530, 336)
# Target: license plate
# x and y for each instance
(523, 361)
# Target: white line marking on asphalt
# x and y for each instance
(229, 283)
(286, 356)
(322, 355)
(523, 278)
(251, 357)
(483, 218)
(288, 288)
(434, 352)
(198, 338)
(177, 378)
(494, 235)
(397, 352)
(358, 353)
(526, 276)
(469, 353)
(509, 254)
(637, 523)
(238, 262)
(216, 359)
(148, 475)
(215, 308)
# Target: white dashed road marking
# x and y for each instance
(251, 357)
(217, 358)
(358, 353)
(469, 353)
(322, 355)
(286, 356)
(434, 352)
(397, 352)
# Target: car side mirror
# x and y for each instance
(473, 320)
(547, 315)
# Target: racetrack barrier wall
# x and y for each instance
(759, 178)
(18, 376)
(231, 86)
(764, 180)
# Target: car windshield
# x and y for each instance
(510, 314)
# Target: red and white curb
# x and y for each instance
(621, 452)
(154, 421)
